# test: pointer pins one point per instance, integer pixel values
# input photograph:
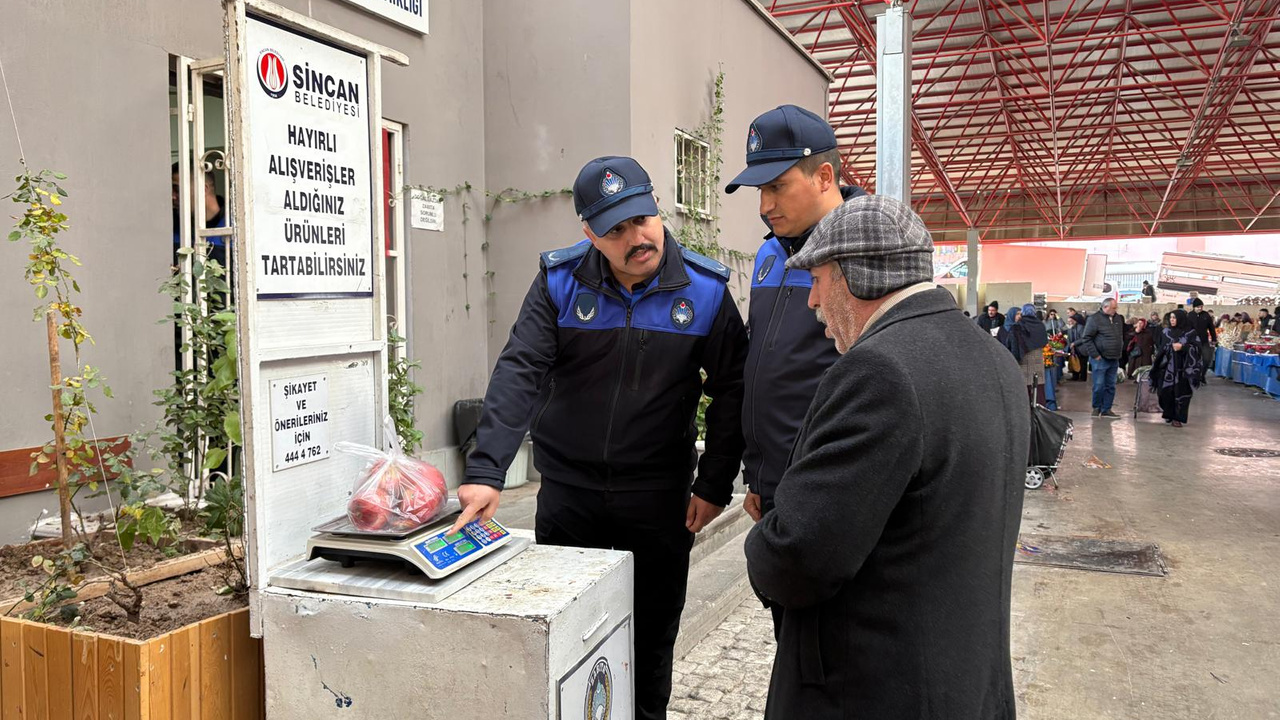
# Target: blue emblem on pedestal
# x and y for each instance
(599, 701)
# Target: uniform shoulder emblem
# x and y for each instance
(705, 263)
(552, 258)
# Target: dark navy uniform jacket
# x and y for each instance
(608, 380)
(789, 354)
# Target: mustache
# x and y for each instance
(821, 318)
(641, 248)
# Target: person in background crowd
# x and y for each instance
(1007, 327)
(1246, 328)
(1053, 324)
(890, 547)
(1141, 347)
(1223, 320)
(1264, 321)
(991, 321)
(1148, 291)
(1025, 337)
(1075, 331)
(1206, 334)
(1103, 343)
(1153, 320)
(1177, 368)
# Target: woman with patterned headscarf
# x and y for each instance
(1177, 369)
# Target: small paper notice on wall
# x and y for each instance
(426, 210)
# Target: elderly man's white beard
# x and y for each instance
(821, 319)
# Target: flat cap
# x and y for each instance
(880, 243)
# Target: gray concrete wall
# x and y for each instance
(89, 83)
(677, 49)
(556, 95)
(90, 88)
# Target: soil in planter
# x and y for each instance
(16, 570)
(166, 606)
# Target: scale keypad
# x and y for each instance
(443, 549)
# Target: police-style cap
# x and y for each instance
(778, 140)
(610, 190)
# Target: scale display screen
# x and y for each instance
(444, 549)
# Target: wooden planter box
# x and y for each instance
(211, 670)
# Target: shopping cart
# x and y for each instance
(1145, 399)
(1050, 433)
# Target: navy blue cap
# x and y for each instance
(779, 139)
(610, 190)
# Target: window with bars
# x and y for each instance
(693, 174)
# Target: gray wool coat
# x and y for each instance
(891, 545)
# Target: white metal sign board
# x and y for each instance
(299, 421)
(409, 13)
(426, 210)
(308, 140)
(600, 686)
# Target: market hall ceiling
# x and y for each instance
(1068, 118)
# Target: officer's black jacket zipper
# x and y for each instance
(786, 300)
(622, 367)
(613, 405)
(755, 376)
(644, 338)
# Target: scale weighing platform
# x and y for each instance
(425, 564)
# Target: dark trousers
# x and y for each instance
(649, 524)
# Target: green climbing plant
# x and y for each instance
(700, 230)
(401, 391)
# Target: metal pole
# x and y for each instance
(893, 103)
(971, 288)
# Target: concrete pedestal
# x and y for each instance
(544, 635)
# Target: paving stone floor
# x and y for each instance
(727, 674)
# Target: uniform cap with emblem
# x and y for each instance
(779, 139)
(880, 243)
(610, 190)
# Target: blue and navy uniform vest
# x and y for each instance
(614, 408)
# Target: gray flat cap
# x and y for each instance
(880, 243)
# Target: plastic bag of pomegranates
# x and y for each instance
(394, 492)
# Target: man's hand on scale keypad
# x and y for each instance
(478, 501)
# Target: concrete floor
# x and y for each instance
(1203, 642)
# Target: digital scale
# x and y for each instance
(423, 563)
(429, 548)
